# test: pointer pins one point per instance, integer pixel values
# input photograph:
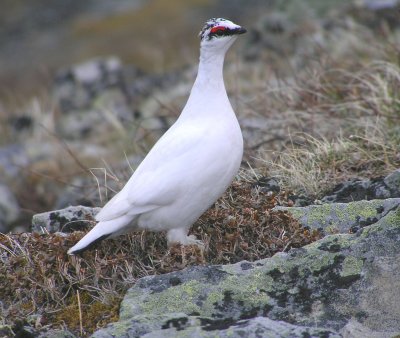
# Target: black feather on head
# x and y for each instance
(218, 27)
(210, 24)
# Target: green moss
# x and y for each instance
(94, 313)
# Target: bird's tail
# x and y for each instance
(101, 231)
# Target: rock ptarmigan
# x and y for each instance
(191, 165)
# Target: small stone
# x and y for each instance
(65, 220)
(268, 184)
(358, 190)
(92, 77)
(56, 334)
(87, 73)
(392, 181)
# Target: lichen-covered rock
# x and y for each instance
(254, 327)
(357, 190)
(338, 280)
(56, 334)
(342, 217)
(91, 95)
(76, 86)
(354, 329)
(109, 107)
(65, 220)
(392, 181)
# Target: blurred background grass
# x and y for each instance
(38, 37)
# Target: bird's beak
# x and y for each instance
(240, 30)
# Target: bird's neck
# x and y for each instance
(210, 71)
(208, 95)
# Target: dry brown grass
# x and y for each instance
(351, 128)
(38, 277)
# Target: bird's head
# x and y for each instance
(219, 34)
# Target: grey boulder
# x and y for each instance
(357, 190)
(339, 286)
(342, 217)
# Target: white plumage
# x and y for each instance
(191, 165)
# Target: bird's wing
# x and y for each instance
(158, 179)
(120, 205)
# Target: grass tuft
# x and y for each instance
(362, 111)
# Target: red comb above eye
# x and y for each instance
(217, 28)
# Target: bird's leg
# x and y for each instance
(180, 236)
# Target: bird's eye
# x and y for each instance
(219, 31)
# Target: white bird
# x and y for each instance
(191, 165)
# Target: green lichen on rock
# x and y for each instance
(182, 297)
(322, 284)
(65, 220)
(142, 324)
(196, 297)
(255, 327)
(56, 334)
(341, 217)
(351, 267)
(392, 219)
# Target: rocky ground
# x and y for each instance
(341, 286)
(303, 244)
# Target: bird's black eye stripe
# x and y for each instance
(220, 31)
(218, 28)
(224, 31)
